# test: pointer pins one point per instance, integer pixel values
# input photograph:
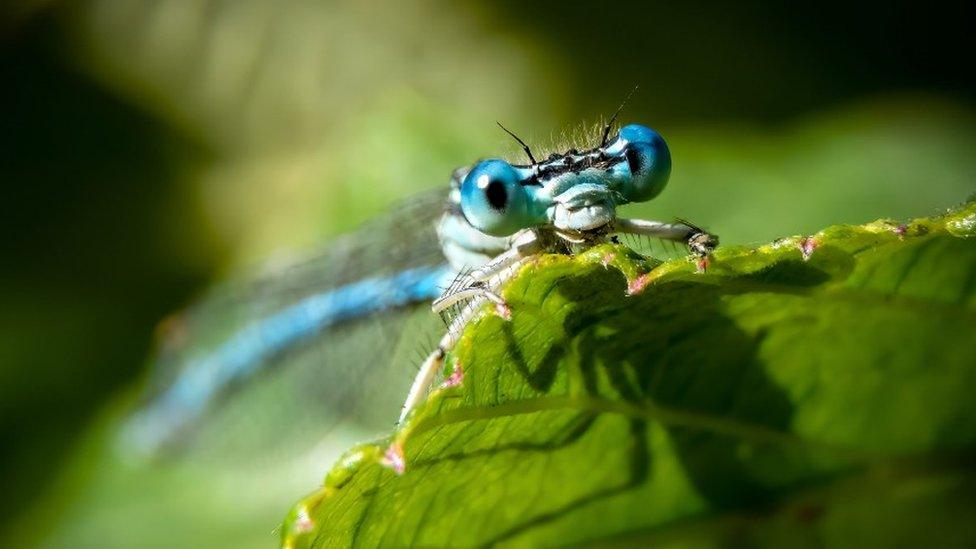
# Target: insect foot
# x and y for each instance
(702, 244)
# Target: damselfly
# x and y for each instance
(497, 216)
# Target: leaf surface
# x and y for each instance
(817, 387)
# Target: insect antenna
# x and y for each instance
(606, 130)
(524, 146)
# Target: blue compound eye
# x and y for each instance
(493, 199)
(648, 160)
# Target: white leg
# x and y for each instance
(523, 244)
(700, 242)
(470, 292)
(435, 361)
(656, 229)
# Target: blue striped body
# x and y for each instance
(250, 348)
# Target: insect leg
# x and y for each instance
(435, 360)
(523, 244)
(476, 289)
(481, 281)
(701, 242)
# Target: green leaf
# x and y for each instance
(776, 395)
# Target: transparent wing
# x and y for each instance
(225, 381)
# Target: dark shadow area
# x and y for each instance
(698, 361)
(702, 61)
(673, 347)
(569, 434)
(541, 377)
(792, 272)
(89, 217)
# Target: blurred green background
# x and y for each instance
(152, 147)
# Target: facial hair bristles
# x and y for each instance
(580, 137)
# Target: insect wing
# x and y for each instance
(286, 394)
